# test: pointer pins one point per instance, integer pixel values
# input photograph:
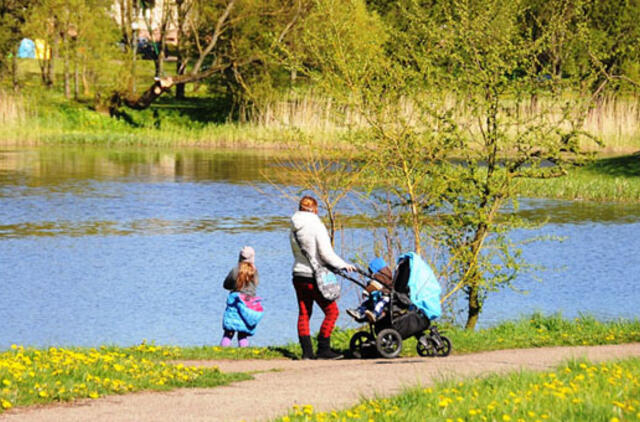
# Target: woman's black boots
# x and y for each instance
(324, 349)
(307, 347)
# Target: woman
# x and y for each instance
(308, 232)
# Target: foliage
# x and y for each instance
(442, 92)
(329, 173)
(575, 391)
(13, 15)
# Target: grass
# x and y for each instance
(614, 179)
(536, 330)
(42, 115)
(576, 391)
(29, 376)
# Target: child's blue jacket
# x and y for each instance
(243, 313)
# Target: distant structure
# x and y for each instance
(148, 22)
(27, 49)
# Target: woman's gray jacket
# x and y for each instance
(314, 238)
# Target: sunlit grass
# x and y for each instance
(536, 330)
(607, 179)
(29, 376)
(576, 391)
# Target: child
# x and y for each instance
(373, 307)
(244, 310)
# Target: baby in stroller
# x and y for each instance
(405, 307)
(377, 291)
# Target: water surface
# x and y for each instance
(113, 247)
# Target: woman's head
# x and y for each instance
(246, 274)
(309, 204)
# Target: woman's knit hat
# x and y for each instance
(247, 254)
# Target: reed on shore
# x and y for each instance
(48, 118)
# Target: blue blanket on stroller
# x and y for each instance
(424, 288)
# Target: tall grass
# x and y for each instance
(615, 121)
(46, 117)
(12, 109)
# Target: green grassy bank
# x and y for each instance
(615, 179)
(32, 376)
(576, 391)
(533, 331)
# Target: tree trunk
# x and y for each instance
(76, 81)
(180, 88)
(65, 61)
(85, 82)
(14, 71)
(474, 307)
(134, 52)
(51, 71)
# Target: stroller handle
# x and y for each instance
(344, 274)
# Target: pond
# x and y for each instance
(103, 246)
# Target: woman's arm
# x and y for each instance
(325, 250)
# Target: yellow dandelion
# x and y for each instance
(506, 418)
(5, 404)
(94, 395)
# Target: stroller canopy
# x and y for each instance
(424, 288)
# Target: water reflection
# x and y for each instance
(149, 227)
(52, 166)
(579, 212)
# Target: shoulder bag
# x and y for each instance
(325, 279)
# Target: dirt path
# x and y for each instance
(324, 384)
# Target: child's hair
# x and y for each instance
(246, 274)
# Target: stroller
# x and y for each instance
(414, 301)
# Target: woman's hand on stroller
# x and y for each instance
(350, 268)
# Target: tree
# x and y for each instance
(493, 70)
(82, 34)
(445, 95)
(229, 37)
(403, 134)
(13, 15)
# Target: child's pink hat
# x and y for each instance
(247, 254)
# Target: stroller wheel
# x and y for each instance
(445, 349)
(426, 347)
(389, 343)
(361, 344)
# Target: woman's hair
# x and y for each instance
(246, 274)
(308, 203)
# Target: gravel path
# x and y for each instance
(326, 385)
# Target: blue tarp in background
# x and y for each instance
(27, 49)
